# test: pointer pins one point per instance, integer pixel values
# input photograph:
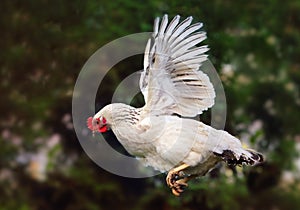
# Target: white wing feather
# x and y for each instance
(171, 81)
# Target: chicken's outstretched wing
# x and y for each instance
(171, 81)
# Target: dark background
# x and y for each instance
(44, 44)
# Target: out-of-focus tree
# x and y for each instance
(44, 44)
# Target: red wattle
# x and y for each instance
(103, 129)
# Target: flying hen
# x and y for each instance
(162, 134)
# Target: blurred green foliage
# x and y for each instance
(44, 44)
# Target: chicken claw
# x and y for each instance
(179, 186)
(176, 180)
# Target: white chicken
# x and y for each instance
(173, 86)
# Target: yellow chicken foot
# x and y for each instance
(179, 186)
(176, 180)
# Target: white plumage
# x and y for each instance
(172, 84)
(171, 81)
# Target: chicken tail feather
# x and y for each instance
(249, 157)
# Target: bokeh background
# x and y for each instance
(44, 44)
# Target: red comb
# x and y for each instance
(89, 123)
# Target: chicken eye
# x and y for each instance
(97, 121)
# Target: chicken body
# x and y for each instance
(165, 141)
